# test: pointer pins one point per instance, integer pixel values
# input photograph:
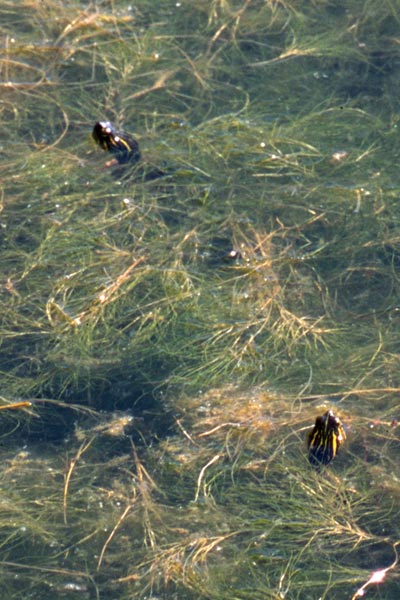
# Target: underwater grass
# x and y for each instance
(167, 344)
(227, 539)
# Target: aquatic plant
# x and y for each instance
(167, 344)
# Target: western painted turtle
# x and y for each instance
(325, 439)
(124, 149)
(122, 145)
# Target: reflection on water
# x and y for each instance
(168, 342)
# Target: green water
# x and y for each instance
(177, 337)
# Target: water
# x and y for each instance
(177, 337)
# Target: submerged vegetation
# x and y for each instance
(167, 343)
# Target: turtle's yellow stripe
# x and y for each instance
(118, 140)
(325, 439)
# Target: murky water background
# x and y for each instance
(167, 343)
